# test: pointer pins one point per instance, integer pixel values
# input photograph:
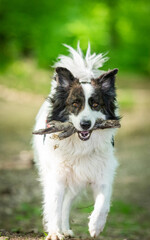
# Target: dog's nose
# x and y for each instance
(85, 124)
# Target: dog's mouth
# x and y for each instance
(84, 135)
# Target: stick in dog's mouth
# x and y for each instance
(66, 129)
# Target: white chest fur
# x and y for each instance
(78, 162)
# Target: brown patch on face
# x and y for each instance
(76, 99)
(97, 97)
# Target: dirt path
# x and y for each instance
(5, 235)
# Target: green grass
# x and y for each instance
(124, 220)
(27, 212)
(24, 75)
(25, 216)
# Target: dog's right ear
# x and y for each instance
(64, 77)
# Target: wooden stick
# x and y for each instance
(66, 129)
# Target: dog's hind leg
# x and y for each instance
(68, 199)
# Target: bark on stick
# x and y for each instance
(66, 129)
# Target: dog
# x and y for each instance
(80, 93)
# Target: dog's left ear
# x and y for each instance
(107, 80)
(64, 77)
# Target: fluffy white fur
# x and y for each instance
(65, 171)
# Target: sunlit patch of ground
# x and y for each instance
(20, 207)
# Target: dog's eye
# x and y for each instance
(95, 105)
(75, 104)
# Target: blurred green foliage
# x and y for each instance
(38, 28)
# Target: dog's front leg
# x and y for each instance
(53, 198)
(69, 197)
(98, 217)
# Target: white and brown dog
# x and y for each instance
(80, 94)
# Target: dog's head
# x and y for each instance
(83, 103)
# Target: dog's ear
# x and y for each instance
(64, 77)
(107, 80)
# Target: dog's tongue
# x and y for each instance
(85, 133)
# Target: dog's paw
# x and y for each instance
(55, 236)
(94, 232)
(68, 233)
(96, 227)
